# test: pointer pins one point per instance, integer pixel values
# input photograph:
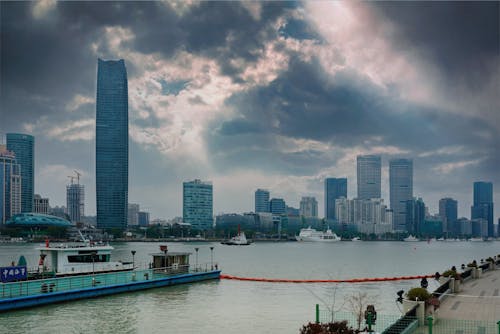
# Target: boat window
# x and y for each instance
(87, 258)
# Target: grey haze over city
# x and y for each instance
(259, 95)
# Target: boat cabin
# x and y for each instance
(171, 261)
(66, 260)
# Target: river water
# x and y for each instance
(245, 307)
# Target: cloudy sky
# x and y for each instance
(252, 94)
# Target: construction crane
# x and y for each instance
(77, 176)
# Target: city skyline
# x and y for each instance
(216, 108)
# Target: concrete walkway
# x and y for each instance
(478, 299)
(475, 309)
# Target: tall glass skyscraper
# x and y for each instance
(483, 204)
(112, 144)
(23, 147)
(448, 211)
(334, 188)
(369, 176)
(262, 200)
(197, 204)
(10, 186)
(401, 190)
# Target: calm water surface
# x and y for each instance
(244, 307)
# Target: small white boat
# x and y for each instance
(356, 239)
(239, 240)
(310, 234)
(452, 240)
(476, 239)
(411, 238)
(441, 239)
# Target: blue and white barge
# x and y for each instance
(166, 268)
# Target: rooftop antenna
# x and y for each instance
(71, 178)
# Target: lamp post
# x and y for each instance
(93, 254)
(164, 249)
(133, 259)
(212, 257)
(196, 267)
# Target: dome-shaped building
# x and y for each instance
(36, 220)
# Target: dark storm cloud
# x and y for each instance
(461, 38)
(46, 62)
(346, 110)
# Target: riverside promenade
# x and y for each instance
(478, 299)
(475, 308)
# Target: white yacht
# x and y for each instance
(310, 234)
(411, 238)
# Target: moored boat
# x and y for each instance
(167, 268)
(81, 259)
(411, 238)
(476, 239)
(310, 234)
(238, 240)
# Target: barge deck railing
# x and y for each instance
(50, 285)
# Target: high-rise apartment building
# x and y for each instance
(133, 211)
(262, 200)
(277, 206)
(23, 146)
(112, 144)
(401, 190)
(369, 176)
(369, 215)
(309, 207)
(197, 208)
(75, 201)
(10, 186)
(143, 218)
(483, 204)
(334, 188)
(448, 211)
(41, 204)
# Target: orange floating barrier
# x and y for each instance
(352, 280)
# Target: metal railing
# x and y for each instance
(442, 290)
(356, 321)
(452, 326)
(51, 285)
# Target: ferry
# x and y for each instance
(310, 234)
(18, 290)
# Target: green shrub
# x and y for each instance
(449, 273)
(338, 327)
(420, 293)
